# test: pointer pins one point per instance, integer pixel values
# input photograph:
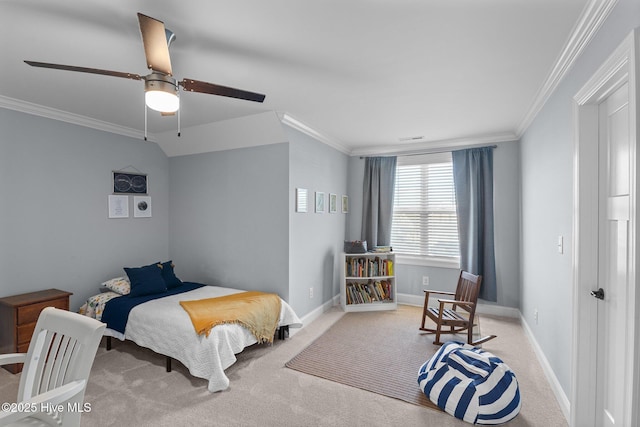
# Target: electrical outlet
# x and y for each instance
(535, 315)
(425, 281)
(310, 292)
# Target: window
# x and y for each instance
(424, 223)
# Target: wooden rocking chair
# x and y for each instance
(456, 314)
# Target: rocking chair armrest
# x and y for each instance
(464, 304)
(8, 358)
(43, 401)
(430, 291)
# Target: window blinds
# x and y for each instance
(424, 210)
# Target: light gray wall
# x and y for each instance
(506, 199)
(507, 223)
(547, 199)
(54, 226)
(229, 218)
(316, 239)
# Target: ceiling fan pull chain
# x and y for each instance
(145, 122)
(178, 123)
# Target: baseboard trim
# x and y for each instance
(314, 314)
(408, 299)
(490, 309)
(561, 397)
(498, 310)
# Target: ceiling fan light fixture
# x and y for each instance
(164, 102)
(161, 93)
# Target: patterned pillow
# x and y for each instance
(120, 285)
(95, 304)
(471, 384)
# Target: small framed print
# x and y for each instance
(345, 204)
(301, 199)
(333, 203)
(319, 202)
(118, 206)
(129, 183)
(141, 207)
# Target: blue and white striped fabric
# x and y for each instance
(471, 384)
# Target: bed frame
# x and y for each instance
(282, 332)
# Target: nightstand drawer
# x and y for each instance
(30, 313)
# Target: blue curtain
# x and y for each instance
(473, 179)
(377, 207)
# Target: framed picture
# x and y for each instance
(345, 204)
(141, 207)
(319, 202)
(333, 203)
(129, 183)
(301, 199)
(118, 206)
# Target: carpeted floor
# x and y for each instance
(129, 386)
(379, 352)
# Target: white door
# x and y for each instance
(613, 256)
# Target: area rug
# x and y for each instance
(378, 351)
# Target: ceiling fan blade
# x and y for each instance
(210, 88)
(84, 70)
(154, 39)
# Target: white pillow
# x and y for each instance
(120, 285)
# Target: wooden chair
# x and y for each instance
(56, 369)
(456, 314)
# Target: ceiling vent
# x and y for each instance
(411, 138)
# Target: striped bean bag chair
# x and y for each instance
(470, 384)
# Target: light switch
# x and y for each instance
(560, 244)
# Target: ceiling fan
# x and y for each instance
(161, 88)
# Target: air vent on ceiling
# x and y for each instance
(411, 138)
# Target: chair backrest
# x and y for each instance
(62, 350)
(468, 287)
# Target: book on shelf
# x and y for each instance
(368, 292)
(368, 267)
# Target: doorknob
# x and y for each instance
(599, 294)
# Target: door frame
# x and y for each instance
(621, 67)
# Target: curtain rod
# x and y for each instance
(432, 151)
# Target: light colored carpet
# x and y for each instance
(129, 387)
(379, 352)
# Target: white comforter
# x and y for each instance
(165, 327)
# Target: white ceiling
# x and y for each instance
(364, 73)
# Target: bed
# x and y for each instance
(161, 324)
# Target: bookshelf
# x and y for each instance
(368, 282)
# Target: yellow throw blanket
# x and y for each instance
(259, 312)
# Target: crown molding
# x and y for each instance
(76, 119)
(590, 21)
(296, 124)
(435, 146)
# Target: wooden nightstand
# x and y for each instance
(18, 317)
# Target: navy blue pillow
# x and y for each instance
(146, 280)
(169, 275)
